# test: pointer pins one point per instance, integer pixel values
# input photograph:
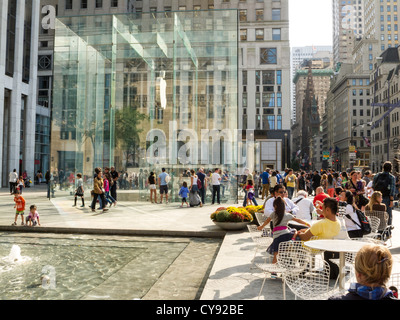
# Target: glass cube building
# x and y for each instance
(146, 92)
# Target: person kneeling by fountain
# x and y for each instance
(19, 206)
(33, 217)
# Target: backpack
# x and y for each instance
(382, 184)
(365, 225)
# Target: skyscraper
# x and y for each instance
(348, 25)
(19, 27)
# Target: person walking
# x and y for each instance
(13, 177)
(79, 192)
(216, 183)
(20, 184)
(385, 182)
(203, 179)
(316, 180)
(195, 198)
(98, 191)
(290, 180)
(113, 188)
(265, 183)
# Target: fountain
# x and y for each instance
(15, 256)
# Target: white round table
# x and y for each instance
(341, 246)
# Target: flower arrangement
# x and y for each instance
(231, 214)
(253, 209)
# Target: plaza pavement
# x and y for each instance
(232, 276)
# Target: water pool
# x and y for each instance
(83, 267)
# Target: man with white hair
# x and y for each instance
(306, 207)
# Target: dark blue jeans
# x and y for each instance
(386, 201)
(245, 200)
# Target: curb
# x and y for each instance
(116, 232)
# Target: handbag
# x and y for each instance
(79, 191)
(199, 184)
(362, 200)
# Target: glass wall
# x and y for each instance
(142, 92)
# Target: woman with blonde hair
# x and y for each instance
(373, 267)
(375, 203)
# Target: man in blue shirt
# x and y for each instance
(265, 183)
(163, 184)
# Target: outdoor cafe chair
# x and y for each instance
(374, 222)
(312, 284)
(292, 258)
(261, 218)
(383, 229)
(261, 238)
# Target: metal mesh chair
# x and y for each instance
(262, 239)
(374, 222)
(384, 229)
(260, 218)
(312, 284)
(292, 258)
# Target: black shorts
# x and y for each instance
(164, 189)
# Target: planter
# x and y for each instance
(232, 225)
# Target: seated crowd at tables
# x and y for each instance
(302, 219)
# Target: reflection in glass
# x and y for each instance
(142, 93)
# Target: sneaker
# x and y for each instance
(82, 206)
(105, 209)
(14, 224)
(22, 224)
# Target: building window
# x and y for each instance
(114, 3)
(268, 56)
(279, 99)
(83, 4)
(279, 77)
(276, 14)
(243, 34)
(68, 4)
(259, 14)
(99, 3)
(243, 15)
(279, 122)
(268, 100)
(268, 77)
(271, 122)
(260, 34)
(276, 34)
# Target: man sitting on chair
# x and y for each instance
(326, 228)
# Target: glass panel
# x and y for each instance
(142, 93)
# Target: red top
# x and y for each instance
(19, 203)
(321, 198)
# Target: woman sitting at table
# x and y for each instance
(373, 267)
(281, 232)
(353, 224)
(375, 203)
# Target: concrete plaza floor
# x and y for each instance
(232, 275)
